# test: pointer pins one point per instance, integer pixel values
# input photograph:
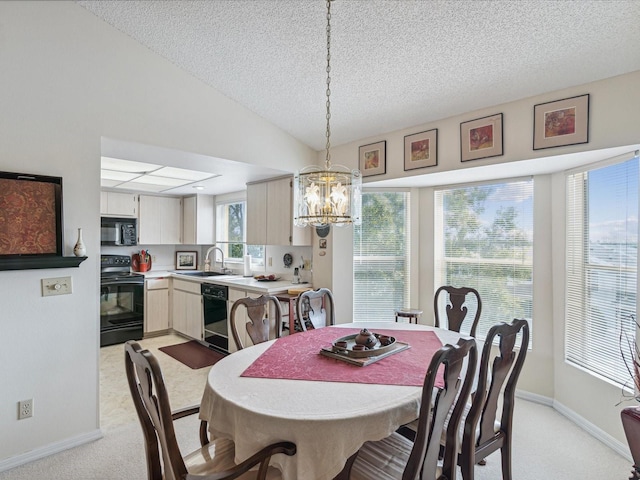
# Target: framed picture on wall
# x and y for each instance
(560, 123)
(481, 138)
(373, 159)
(421, 150)
(186, 260)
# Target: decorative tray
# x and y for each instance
(343, 349)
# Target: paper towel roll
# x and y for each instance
(247, 265)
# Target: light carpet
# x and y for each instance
(546, 446)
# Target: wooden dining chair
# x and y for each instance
(164, 461)
(258, 323)
(396, 457)
(311, 309)
(455, 301)
(483, 432)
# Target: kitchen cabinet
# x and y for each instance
(270, 214)
(256, 214)
(156, 305)
(198, 220)
(159, 220)
(118, 204)
(187, 315)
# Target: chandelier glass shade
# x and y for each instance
(330, 196)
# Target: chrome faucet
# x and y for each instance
(207, 262)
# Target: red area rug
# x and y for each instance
(193, 354)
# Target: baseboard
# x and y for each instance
(535, 398)
(596, 432)
(51, 449)
(604, 437)
(157, 333)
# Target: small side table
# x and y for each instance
(412, 314)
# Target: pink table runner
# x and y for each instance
(297, 357)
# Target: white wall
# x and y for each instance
(614, 104)
(67, 80)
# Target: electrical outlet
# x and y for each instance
(270, 261)
(25, 409)
(56, 286)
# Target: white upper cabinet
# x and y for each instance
(118, 204)
(256, 214)
(270, 214)
(159, 220)
(198, 220)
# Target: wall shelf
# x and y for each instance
(29, 263)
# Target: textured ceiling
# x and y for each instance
(395, 63)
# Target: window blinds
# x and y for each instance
(484, 239)
(601, 282)
(381, 248)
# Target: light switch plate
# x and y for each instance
(56, 286)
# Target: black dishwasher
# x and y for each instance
(214, 306)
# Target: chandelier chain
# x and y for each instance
(330, 196)
(328, 132)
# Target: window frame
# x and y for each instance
(225, 244)
(409, 243)
(579, 269)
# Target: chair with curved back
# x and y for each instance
(483, 431)
(258, 322)
(164, 461)
(397, 457)
(456, 309)
(311, 309)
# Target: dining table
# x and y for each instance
(284, 389)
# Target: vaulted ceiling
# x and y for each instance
(394, 63)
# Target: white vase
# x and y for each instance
(79, 249)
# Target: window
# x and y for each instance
(602, 248)
(230, 233)
(484, 239)
(381, 248)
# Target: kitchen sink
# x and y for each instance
(198, 273)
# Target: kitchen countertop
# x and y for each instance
(234, 281)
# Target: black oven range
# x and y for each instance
(121, 301)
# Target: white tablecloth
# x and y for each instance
(328, 421)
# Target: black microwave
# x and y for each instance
(118, 231)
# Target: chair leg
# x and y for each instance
(346, 471)
(505, 453)
(467, 472)
(466, 464)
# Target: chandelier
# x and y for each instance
(329, 196)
